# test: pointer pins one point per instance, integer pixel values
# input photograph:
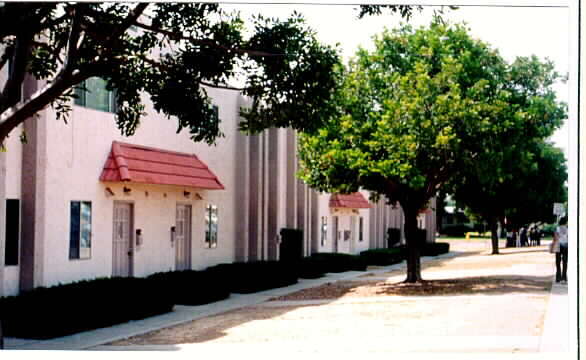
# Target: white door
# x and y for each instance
(122, 240)
(183, 238)
(352, 234)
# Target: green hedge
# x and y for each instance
(335, 263)
(291, 247)
(456, 230)
(45, 313)
(245, 278)
(393, 237)
(190, 287)
(311, 268)
(383, 257)
(434, 249)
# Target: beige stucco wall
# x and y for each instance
(10, 181)
(75, 155)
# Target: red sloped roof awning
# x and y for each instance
(352, 201)
(147, 165)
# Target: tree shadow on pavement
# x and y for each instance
(476, 285)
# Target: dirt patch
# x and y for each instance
(461, 286)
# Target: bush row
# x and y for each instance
(383, 257)
(190, 287)
(61, 310)
(434, 249)
(250, 277)
(44, 313)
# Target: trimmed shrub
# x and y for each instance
(335, 263)
(190, 287)
(310, 268)
(393, 236)
(383, 257)
(250, 277)
(291, 248)
(434, 249)
(45, 313)
(456, 230)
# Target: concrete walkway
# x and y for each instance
(554, 337)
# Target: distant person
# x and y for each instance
(533, 236)
(516, 238)
(523, 236)
(559, 246)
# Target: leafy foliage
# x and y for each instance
(171, 51)
(522, 176)
(410, 114)
(417, 110)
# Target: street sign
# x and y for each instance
(558, 209)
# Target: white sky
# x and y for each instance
(514, 31)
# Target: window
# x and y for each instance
(12, 231)
(324, 229)
(211, 217)
(80, 230)
(92, 93)
(360, 228)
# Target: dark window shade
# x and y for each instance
(12, 231)
(74, 231)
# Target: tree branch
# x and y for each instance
(207, 42)
(74, 36)
(10, 118)
(22, 49)
(130, 20)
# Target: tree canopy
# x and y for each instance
(412, 113)
(509, 179)
(170, 51)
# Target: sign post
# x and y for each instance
(559, 210)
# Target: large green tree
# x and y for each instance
(412, 113)
(515, 177)
(170, 51)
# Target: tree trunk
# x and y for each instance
(494, 235)
(413, 245)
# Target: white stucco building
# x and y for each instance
(82, 201)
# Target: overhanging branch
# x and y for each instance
(207, 42)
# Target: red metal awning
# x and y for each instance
(141, 164)
(351, 201)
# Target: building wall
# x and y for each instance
(73, 160)
(63, 163)
(10, 181)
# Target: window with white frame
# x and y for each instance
(360, 228)
(80, 230)
(324, 230)
(92, 93)
(211, 225)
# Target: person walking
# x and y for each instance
(560, 247)
(523, 236)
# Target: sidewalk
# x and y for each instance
(555, 325)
